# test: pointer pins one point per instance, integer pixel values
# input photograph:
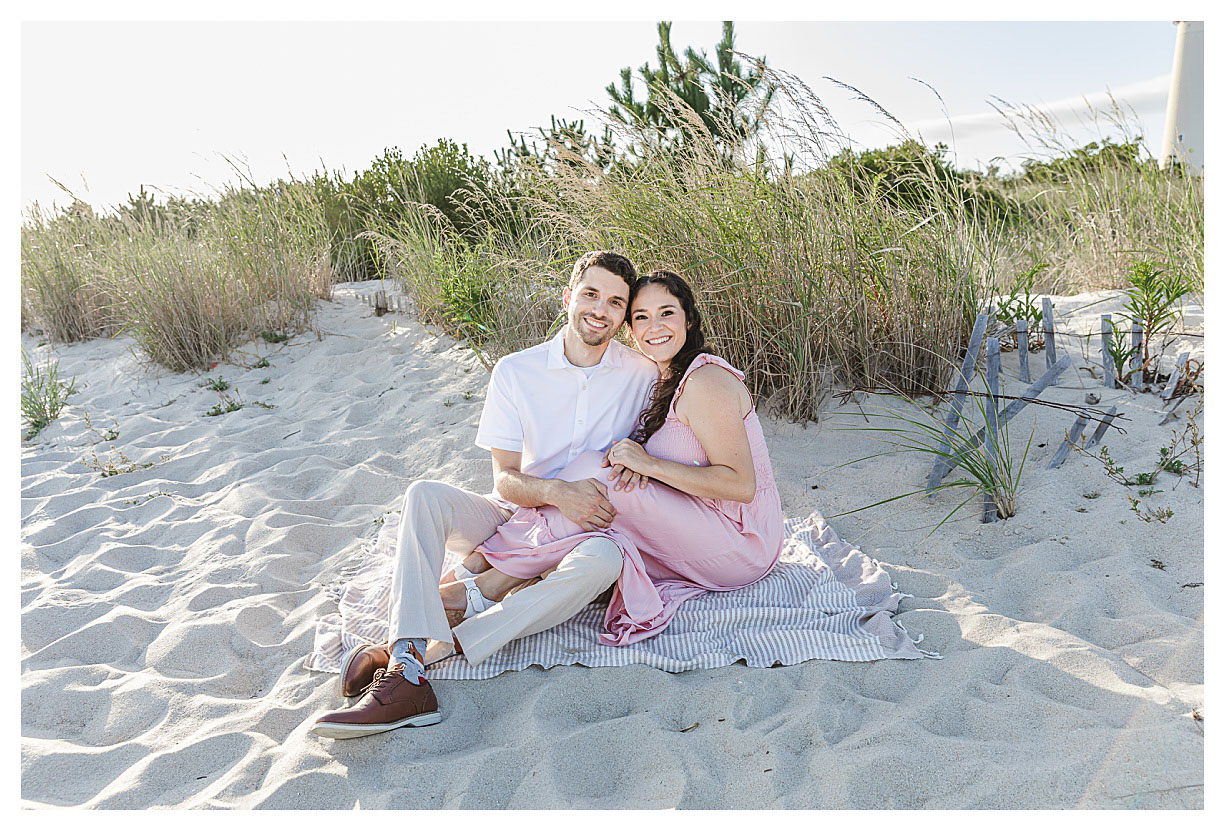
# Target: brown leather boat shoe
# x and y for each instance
(359, 667)
(391, 701)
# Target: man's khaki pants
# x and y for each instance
(438, 517)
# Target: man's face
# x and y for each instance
(596, 306)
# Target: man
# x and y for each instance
(545, 406)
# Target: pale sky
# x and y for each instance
(106, 107)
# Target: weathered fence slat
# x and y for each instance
(380, 302)
(1048, 330)
(1045, 380)
(1137, 374)
(1170, 413)
(990, 509)
(1023, 348)
(1175, 376)
(1102, 426)
(1107, 358)
(959, 390)
(1073, 436)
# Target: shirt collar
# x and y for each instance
(557, 353)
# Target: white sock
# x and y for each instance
(402, 653)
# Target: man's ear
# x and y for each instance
(565, 298)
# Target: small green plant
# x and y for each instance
(1149, 514)
(43, 394)
(217, 384)
(140, 500)
(1121, 352)
(1169, 460)
(265, 380)
(274, 337)
(991, 467)
(225, 405)
(1151, 302)
(1016, 307)
(115, 463)
(110, 435)
(1113, 469)
(262, 363)
(266, 406)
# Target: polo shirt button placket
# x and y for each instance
(580, 417)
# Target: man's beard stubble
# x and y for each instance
(593, 338)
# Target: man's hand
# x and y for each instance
(585, 503)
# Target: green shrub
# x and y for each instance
(913, 177)
(1151, 301)
(444, 175)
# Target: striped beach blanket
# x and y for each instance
(825, 599)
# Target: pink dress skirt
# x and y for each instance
(675, 546)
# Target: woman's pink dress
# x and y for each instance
(676, 546)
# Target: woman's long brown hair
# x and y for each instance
(654, 414)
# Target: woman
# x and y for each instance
(697, 506)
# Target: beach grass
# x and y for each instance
(43, 394)
(1093, 211)
(187, 286)
(818, 266)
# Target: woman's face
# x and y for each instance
(657, 323)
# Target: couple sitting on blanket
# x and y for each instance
(686, 504)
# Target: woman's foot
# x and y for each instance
(454, 596)
(472, 565)
(462, 600)
(470, 596)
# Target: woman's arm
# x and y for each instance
(714, 405)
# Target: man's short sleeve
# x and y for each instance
(500, 427)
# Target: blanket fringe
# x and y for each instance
(899, 625)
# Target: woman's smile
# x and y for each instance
(658, 323)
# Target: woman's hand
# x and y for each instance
(628, 461)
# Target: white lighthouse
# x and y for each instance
(1184, 112)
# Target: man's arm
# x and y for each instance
(584, 502)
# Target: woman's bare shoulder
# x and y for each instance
(713, 386)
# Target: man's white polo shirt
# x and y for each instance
(541, 405)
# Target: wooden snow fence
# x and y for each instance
(996, 419)
(382, 303)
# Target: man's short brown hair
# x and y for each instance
(608, 260)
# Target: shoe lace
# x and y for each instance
(381, 676)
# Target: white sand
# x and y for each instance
(166, 612)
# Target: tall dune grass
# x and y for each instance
(803, 280)
(254, 259)
(813, 270)
(1092, 215)
(808, 280)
